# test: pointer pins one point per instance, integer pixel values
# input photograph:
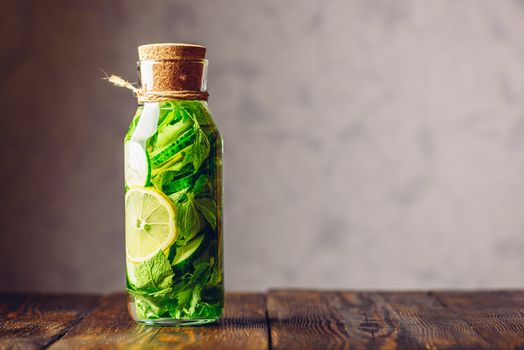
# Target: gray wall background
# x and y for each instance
(369, 143)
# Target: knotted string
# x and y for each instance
(156, 96)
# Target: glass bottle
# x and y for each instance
(173, 192)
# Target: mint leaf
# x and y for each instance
(190, 291)
(195, 299)
(201, 147)
(147, 309)
(188, 219)
(175, 197)
(200, 183)
(208, 208)
(180, 183)
(153, 289)
(215, 277)
(160, 179)
(167, 114)
(168, 133)
(176, 122)
(154, 275)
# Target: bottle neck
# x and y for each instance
(172, 75)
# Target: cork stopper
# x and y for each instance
(172, 67)
(171, 51)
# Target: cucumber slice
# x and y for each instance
(186, 139)
(184, 252)
(183, 183)
(137, 168)
(147, 124)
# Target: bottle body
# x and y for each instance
(173, 214)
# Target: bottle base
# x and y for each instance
(177, 323)
(168, 322)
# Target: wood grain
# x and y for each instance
(496, 316)
(109, 326)
(426, 324)
(283, 319)
(34, 321)
(373, 320)
(330, 320)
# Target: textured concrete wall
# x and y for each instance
(369, 143)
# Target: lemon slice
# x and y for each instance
(150, 223)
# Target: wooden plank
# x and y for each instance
(109, 326)
(298, 320)
(349, 320)
(497, 316)
(330, 320)
(11, 302)
(34, 321)
(426, 323)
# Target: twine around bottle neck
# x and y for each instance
(157, 96)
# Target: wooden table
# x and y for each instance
(281, 319)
